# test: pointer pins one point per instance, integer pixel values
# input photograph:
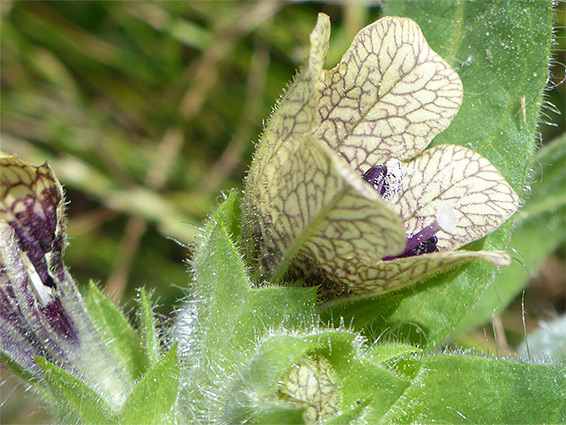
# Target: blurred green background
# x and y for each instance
(147, 111)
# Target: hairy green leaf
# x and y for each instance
(148, 328)
(153, 398)
(224, 315)
(122, 340)
(76, 402)
(540, 227)
(467, 389)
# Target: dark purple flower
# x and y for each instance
(41, 310)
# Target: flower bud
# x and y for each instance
(41, 311)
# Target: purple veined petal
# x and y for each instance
(387, 276)
(36, 300)
(383, 103)
(388, 97)
(454, 176)
(41, 310)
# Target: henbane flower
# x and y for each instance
(41, 311)
(309, 209)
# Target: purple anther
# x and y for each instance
(422, 237)
(386, 179)
(425, 247)
(424, 242)
(376, 177)
(418, 245)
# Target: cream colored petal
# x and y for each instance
(462, 179)
(25, 190)
(388, 97)
(314, 209)
(21, 180)
(295, 113)
(386, 276)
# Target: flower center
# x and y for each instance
(387, 180)
(423, 242)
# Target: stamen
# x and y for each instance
(376, 177)
(386, 179)
(393, 179)
(424, 242)
(422, 236)
(446, 218)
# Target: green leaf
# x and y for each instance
(229, 214)
(147, 328)
(384, 352)
(364, 382)
(501, 51)
(76, 402)
(276, 414)
(18, 370)
(540, 227)
(154, 396)
(122, 340)
(466, 389)
(351, 415)
(260, 383)
(252, 396)
(548, 182)
(225, 315)
(234, 312)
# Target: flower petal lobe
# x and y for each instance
(324, 213)
(456, 177)
(388, 97)
(387, 276)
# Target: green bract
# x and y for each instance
(307, 209)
